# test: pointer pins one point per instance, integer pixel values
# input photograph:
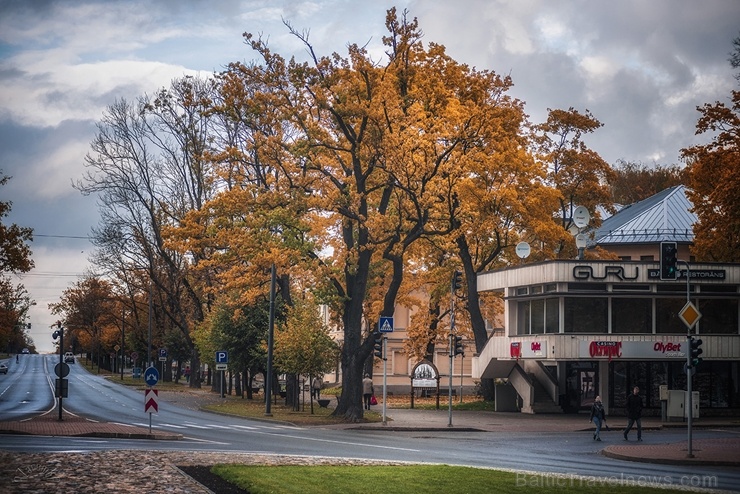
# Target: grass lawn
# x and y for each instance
(416, 479)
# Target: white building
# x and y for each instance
(576, 329)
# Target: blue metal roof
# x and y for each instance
(665, 216)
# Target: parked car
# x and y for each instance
(3, 369)
(69, 358)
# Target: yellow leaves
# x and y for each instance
(303, 344)
(714, 179)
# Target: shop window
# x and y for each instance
(585, 315)
(666, 315)
(718, 316)
(638, 376)
(632, 315)
(618, 397)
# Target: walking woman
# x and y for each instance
(598, 417)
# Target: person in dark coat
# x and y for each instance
(634, 413)
(598, 417)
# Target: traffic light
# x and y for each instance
(378, 345)
(668, 260)
(457, 347)
(695, 349)
(59, 332)
(456, 281)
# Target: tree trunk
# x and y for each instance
(196, 376)
(477, 322)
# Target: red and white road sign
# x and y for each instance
(151, 401)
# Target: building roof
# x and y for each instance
(665, 216)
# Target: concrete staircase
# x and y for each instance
(534, 396)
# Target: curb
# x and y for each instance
(667, 461)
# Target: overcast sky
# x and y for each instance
(641, 67)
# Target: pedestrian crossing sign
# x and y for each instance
(385, 325)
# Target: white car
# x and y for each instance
(3, 369)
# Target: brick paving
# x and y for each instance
(709, 452)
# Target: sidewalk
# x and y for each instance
(717, 452)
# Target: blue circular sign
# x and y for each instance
(151, 376)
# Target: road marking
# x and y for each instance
(195, 439)
(350, 443)
(195, 426)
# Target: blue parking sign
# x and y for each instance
(222, 357)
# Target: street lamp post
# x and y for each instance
(123, 341)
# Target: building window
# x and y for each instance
(538, 316)
(537, 310)
(619, 287)
(666, 315)
(522, 318)
(718, 316)
(586, 287)
(632, 315)
(552, 315)
(585, 315)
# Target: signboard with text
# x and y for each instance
(612, 350)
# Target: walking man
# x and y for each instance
(634, 413)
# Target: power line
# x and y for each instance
(61, 236)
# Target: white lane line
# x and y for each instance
(331, 441)
(195, 439)
(194, 426)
